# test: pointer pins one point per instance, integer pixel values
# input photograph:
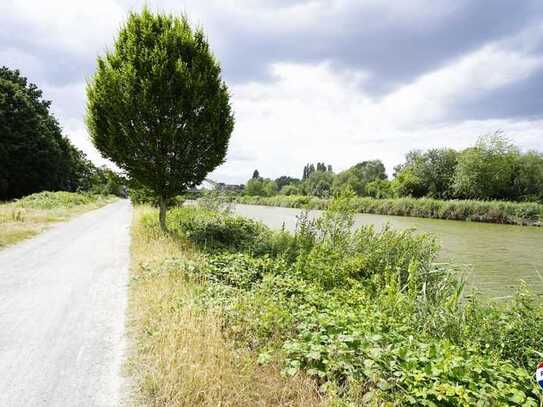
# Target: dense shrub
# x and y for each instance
(219, 231)
(215, 230)
(517, 213)
(367, 313)
(56, 200)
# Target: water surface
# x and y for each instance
(499, 256)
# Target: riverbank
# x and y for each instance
(28, 216)
(497, 257)
(362, 317)
(513, 213)
(180, 354)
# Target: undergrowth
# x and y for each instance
(367, 314)
(180, 354)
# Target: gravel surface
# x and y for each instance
(63, 297)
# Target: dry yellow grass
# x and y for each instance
(178, 354)
(17, 223)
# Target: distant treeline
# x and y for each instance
(34, 154)
(493, 169)
(506, 212)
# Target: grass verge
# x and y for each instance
(179, 353)
(366, 314)
(514, 213)
(32, 214)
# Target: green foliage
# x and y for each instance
(289, 201)
(359, 176)
(140, 194)
(493, 169)
(311, 168)
(379, 189)
(428, 173)
(407, 183)
(319, 183)
(34, 155)
(56, 200)
(261, 187)
(366, 313)
(487, 171)
(215, 230)
(215, 200)
(291, 189)
(516, 213)
(284, 181)
(528, 182)
(157, 106)
(105, 181)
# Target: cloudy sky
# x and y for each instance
(321, 80)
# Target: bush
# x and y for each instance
(215, 230)
(56, 200)
(367, 313)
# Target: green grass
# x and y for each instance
(179, 353)
(58, 200)
(515, 213)
(366, 314)
(26, 217)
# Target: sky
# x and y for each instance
(337, 81)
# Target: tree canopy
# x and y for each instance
(487, 171)
(429, 173)
(157, 106)
(261, 187)
(285, 180)
(358, 176)
(34, 155)
(494, 168)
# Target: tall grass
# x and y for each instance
(367, 314)
(32, 214)
(516, 213)
(180, 355)
(58, 200)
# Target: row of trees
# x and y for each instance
(34, 155)
(320, 180)
(492, 169)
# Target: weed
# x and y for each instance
(367, 314)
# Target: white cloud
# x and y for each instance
(75, 26)
(317, 112)
(430, 97)
(307, 111)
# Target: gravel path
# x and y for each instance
(62, 310)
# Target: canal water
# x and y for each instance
(497, 257)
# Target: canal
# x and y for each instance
(497, 257)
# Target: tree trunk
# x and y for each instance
(162, 215)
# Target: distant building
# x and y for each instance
(221, 186)
(217, 186)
